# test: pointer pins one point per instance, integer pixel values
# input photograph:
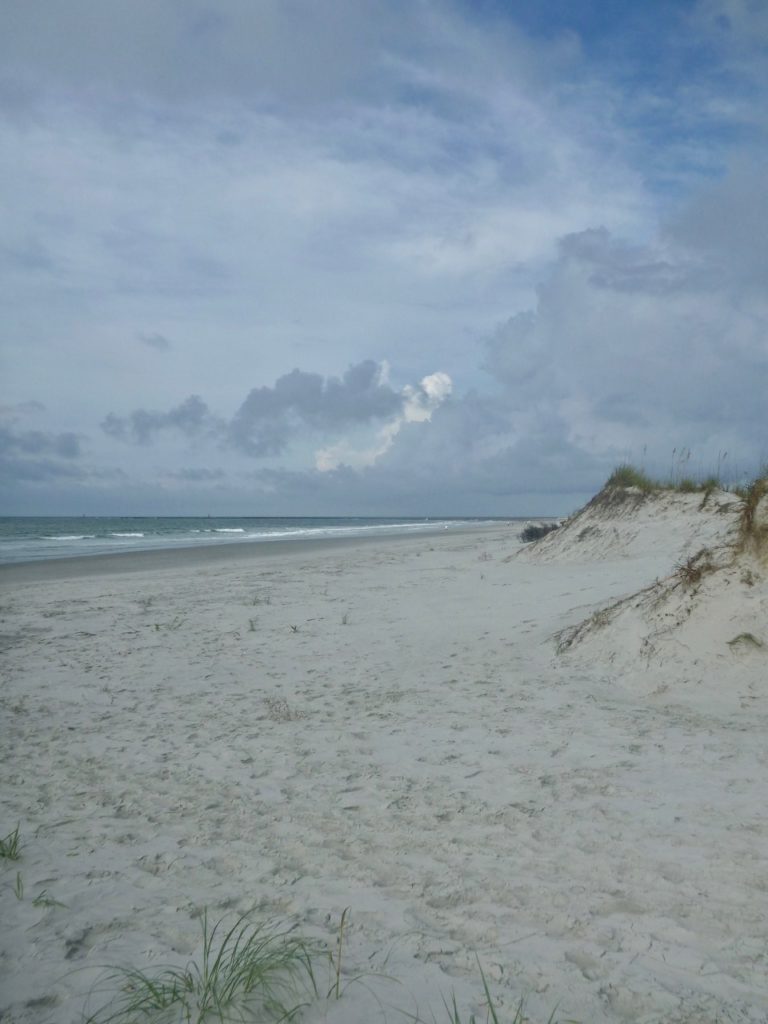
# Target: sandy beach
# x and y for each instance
(465, 741)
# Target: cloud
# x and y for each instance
(15, 410)
(14, 470)
(298, 404)
(197, 474)
(37, 442)
(191, 418)
(156, 341)
(270, 416)
(418, 405)
(36, 455)
(440, 184)
(297, 52)
(640, 347)
(728, 222)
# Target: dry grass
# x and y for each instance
(691, 571)
(572, 635)
(746, 638)
(753, 522)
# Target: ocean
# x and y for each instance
(27, 538)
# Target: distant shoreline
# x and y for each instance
(196, 556)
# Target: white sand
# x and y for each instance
(590, 824)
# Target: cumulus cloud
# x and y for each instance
(270, 416)
(636, 346)
(191, 418)
(631, 351)
(297, 405)
(417, 406)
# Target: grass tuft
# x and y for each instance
(692, 570)
(491, 1015)
(10, 847)
(44, 899)
(248, 972)
(339, 948)
(745, 638)
(626, 475)
(751, 529)
(535, 531)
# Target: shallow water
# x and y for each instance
(27, 538)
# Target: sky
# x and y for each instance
(378, 257)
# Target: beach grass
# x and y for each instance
(627, 475)
(491, 1014)
(245, 972)
(10, 847)
(750, 527)
(44, 899)
(258, 973)
(753, 525)
(535, 531)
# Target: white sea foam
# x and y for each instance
(349, 531)
(72, 536)
(126, 535)
(229, 529)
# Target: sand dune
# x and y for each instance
(391, 727)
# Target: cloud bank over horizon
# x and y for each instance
(383, 258)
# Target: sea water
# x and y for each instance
(27, 538)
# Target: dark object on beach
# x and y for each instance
(535, 531)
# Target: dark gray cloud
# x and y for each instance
(11, 412)
(269, 417)
(356, 397)
(37, 442)
(191, 418)
(13, 470)
(197, 475)
(156, 341)
(37, 455)
(542, 472)
(28, 254)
